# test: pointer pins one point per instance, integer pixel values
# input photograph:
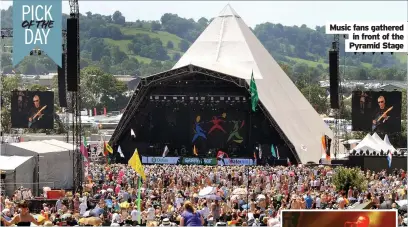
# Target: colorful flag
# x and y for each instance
(254, 155)
(289, 164)
(195, 151)
(277, 152)
(136, 165)
(120, 152)
(327, 142)
(83, 149)
(273, 151)
(254, 92)
(104, 111)
(108, 148)
(94, 111)
(389, 158)
(166, 151)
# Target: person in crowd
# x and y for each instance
(190, 217)
(24, 218)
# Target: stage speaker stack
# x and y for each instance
(62, 94)
(334, 79)
(72, 52)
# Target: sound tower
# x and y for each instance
(62, 94)
(72, 54)
(334, 79)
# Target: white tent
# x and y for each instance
(19, 172)
(374, 143)
(381, 144)
(55, 160)
(387, 141)
(368, 143)
(229, 46)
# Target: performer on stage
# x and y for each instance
(382, 118)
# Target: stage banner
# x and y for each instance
(199, 161)
(160, 160)
(236, 161)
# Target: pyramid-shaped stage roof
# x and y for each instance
(228, 46)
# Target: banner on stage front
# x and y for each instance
(238, 161)
(160, 160)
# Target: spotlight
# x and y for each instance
(31, 53)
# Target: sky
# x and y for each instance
(253, 12)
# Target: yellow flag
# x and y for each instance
(195, 151)
(109, 148)
(135, 163)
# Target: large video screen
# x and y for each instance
(376, 111)
(32, 109)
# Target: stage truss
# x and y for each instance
(76, 108)
(145, 84)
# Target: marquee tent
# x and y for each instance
(374, 143)
(55, 160)
(19, 172)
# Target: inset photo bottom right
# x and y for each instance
(339, 218)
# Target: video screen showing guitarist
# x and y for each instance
(383, 117)
(38, 116)
(32, 109)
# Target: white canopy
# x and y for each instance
(374, 143)
(368, 143)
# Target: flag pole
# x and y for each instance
(247, 207)
(139, 198)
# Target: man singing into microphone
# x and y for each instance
(362, 221)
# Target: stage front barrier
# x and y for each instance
(196, 161)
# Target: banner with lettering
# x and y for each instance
(238, 162)
(160, 160)
(37, 25)
(199, 161)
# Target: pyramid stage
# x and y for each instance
(203, 102)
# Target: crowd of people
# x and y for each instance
(187, 195)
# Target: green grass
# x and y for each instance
(122, 44)
(163, 36)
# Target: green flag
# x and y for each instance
(273, 151)
(85, 143)
(254, 93)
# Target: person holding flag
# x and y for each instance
(137, 166)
